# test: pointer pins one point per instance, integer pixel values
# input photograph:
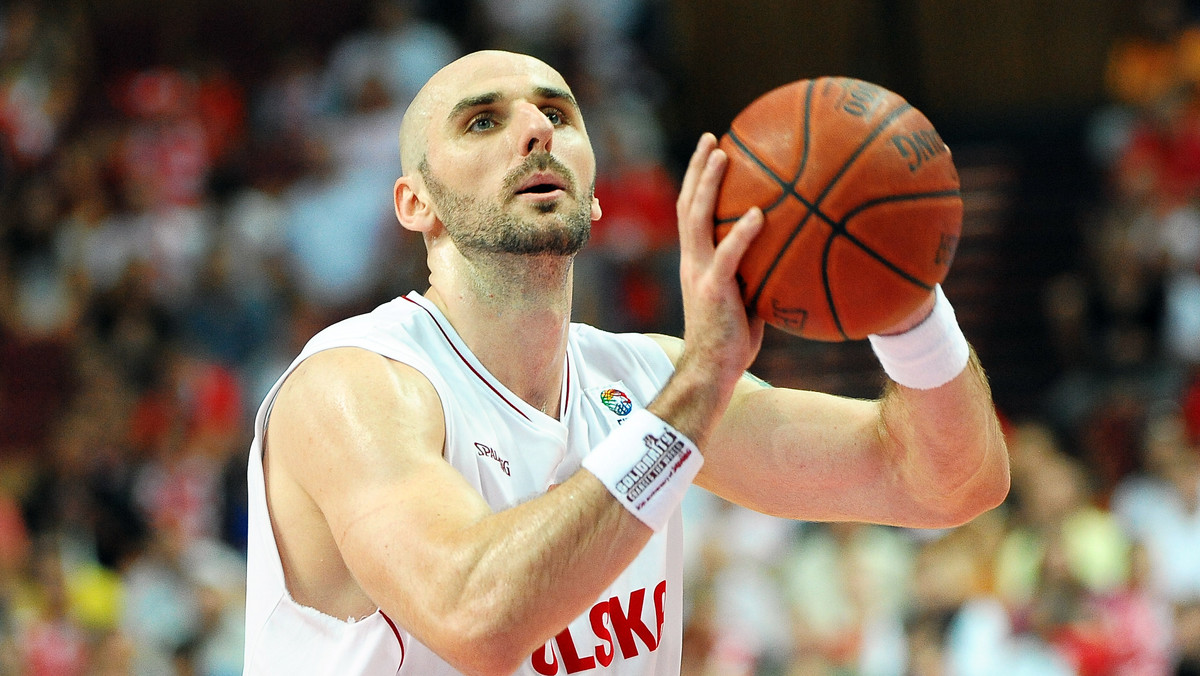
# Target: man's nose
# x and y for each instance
(536, 130)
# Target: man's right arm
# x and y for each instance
(361, 437)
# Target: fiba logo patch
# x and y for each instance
(617, 401)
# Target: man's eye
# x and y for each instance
(481, 123)
(555, 116)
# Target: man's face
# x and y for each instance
(489, 225)
(507, 163)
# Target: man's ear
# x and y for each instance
(596, 214)
(413, 210)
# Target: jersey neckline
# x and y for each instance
(524, 409)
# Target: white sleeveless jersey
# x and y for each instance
(510, 452)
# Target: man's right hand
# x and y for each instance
(720, 339)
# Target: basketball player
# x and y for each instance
(464, 482)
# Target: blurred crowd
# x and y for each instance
(171, 237)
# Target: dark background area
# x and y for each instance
(979, 64)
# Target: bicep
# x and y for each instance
(798, 454)
(791, 452)
(362, 436)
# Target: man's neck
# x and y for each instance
(514, 318)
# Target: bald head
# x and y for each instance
(464, 83)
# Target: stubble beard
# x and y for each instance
(486, 227)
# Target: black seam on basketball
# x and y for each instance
(791, 190)
(785, 188)
(837, 321)
(840, 229)
(815, 207)
(806, 130)
(789, 187)
(858, 151)
(883, 124)
(884, 261)
(903, 197)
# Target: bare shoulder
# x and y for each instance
(352, 372)
(350, 400)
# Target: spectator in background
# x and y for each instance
(395, 54)
(52, 643)
(337, 230)
(1054, 515)
(165, 149)
(44, 58)
(288, 100)
(339, 219)
(164, 165)
(849, 587)
(1160, 508)
(634, 247)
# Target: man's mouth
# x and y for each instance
(541, 183)
(538, 188)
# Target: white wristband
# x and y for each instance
(647, 465)
(930, 354)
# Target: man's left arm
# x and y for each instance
(931, 458)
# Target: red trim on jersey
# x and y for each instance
(398, 638)
(562, 408)
(464, 359)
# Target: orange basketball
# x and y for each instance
(862, 206)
